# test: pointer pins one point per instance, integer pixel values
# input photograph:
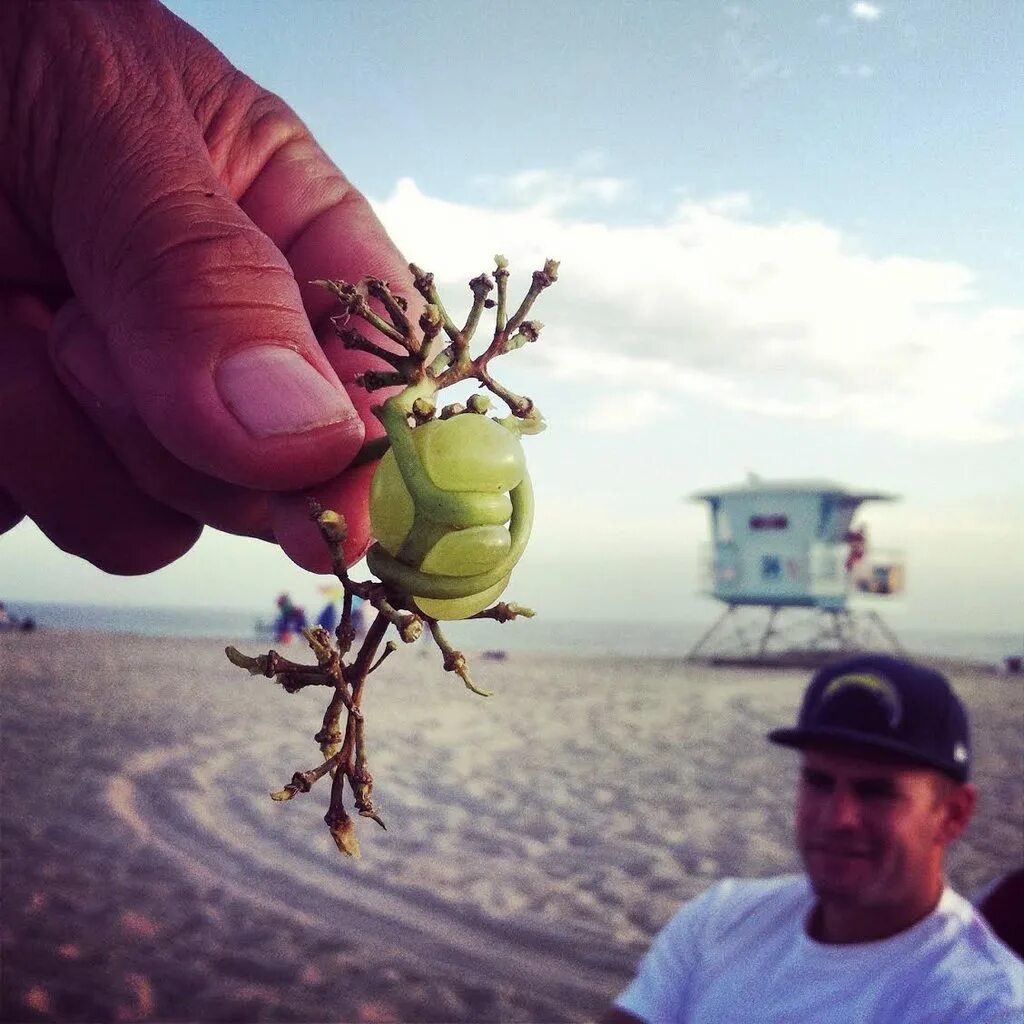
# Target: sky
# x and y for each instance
(790, 236)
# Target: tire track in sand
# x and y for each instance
(210, 837)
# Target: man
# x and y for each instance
(871, 933)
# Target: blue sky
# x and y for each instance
(900, 122)
(791, 236)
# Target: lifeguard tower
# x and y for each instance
(785, 557)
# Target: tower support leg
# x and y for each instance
(777, 640)
(769, 631)
(711, 632)
(886, 631)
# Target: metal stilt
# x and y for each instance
(882, 628)
(768, 633)
(711, 632)
(787, 637)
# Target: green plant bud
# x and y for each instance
(483, 463)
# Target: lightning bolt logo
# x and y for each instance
(878, 687)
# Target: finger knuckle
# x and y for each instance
(184, 236)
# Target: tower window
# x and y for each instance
(769, 522)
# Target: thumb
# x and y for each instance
(201, 313)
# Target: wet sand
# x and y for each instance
(536, 840)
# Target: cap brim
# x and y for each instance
(810, 739)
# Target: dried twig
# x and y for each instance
(402, 588)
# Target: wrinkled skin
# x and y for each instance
(160, 216)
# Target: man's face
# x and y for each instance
(872, 832)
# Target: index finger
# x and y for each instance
(297, 196)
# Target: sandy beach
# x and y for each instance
(536, 840)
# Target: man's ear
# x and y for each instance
(958, 804)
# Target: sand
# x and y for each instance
(536, 840)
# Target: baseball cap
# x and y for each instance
(886, 703)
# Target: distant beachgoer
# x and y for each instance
(328, 617)
(330, 614)
(9, 622)
(857, 539)
(290, 619)
(870, 933)
(358, 619)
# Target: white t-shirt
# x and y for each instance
(740, 954)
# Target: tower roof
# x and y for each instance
(755, 485)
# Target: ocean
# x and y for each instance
(623, 638)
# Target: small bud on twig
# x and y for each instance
(343, 832)
(302, 782)
(455, 661)
(505, 612)
(410, 629)
(389, 648)
(333, 526)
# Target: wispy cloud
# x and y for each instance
(626, 412)
(561, 189)
(556, 190)
(856, 71)
(743, 51)
(784, 318)
(746, 59)
(862, 10)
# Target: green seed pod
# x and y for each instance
(451, 508)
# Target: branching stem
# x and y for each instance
(421, 373)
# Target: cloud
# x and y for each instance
(856, 70)
(862, 10)
(742, 47)
(556, 190)
(744, 57)
(784, 318)
(625, 412)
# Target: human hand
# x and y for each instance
(161, 216)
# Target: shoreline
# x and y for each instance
(496, 652)
(670, 637)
